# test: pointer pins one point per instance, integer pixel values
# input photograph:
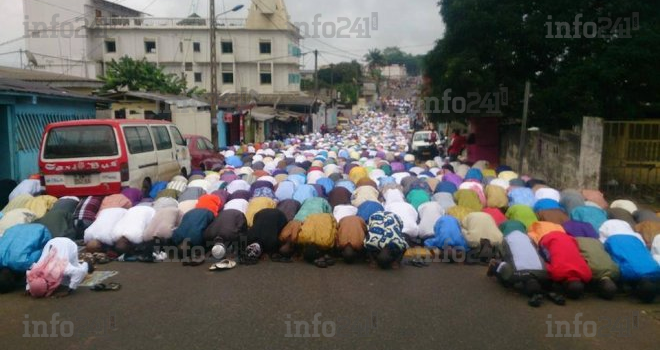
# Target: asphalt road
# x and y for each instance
(168, 306)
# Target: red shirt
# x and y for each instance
(457, 144)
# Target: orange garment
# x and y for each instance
(351, 232)
(211, 203)
(541, 228)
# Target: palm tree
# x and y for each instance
(375, 59)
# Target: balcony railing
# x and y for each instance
(160, 23)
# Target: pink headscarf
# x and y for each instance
(46, 275)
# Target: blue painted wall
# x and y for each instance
(27, 118)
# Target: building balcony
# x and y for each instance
(165, 23)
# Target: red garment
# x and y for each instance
(564, 261)
(496, 214)
(211, 203)
(457, 144)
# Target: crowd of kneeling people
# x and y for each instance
(355, 204)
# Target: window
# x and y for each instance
(110, 46)
(163, 140)
(294, 51)
(227, 47)
(422, 136)
(294, 78)
(180, 46)
(265, 74)
(201, 145)
(138, 139)
(99, 14)
(176, 135)
(189, 66)
(81, 142)
(198, 77)
(227, 73)
(197, 47)
(264, 47)
(150, 46)
(208, 144)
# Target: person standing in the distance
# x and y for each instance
(456, 146)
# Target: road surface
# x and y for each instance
(168, 306)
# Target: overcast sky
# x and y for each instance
(413, 25)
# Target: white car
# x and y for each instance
(421, 145)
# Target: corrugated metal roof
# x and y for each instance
(234, 99)
(41, 76)
(26, 87)
(176, 100)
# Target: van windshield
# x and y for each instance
(423, 136)
(82, 141)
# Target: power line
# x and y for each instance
(146, 7)
(9, 53)
(343, 56)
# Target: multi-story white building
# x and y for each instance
(395, 72)
(79, 37)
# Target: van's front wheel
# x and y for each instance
(146, 187)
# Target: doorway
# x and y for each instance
(5, 146)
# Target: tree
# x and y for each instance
(394, 55)
(491, 44)
(344, 72)
(138, 75)
(375, 59)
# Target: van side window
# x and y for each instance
(138, 139)
(162, 137)
(176, 135)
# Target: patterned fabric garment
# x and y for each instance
(385, 230)
(88, 209)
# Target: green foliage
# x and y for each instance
(349, 92)
(394, 55)
(306, 84)
(142, 75)
(375, 59)
(490, 44)
(344, 72)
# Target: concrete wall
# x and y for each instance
(568, 160)
(191, 122)
(105, 114)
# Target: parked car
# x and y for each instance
(202, 153)
(100, 157)
(422, 147)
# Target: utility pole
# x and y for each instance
(316, 72)
(316, 79)
(214, 75)
(20, 54)
(332, 92)
(332, 76)
(523, 129)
